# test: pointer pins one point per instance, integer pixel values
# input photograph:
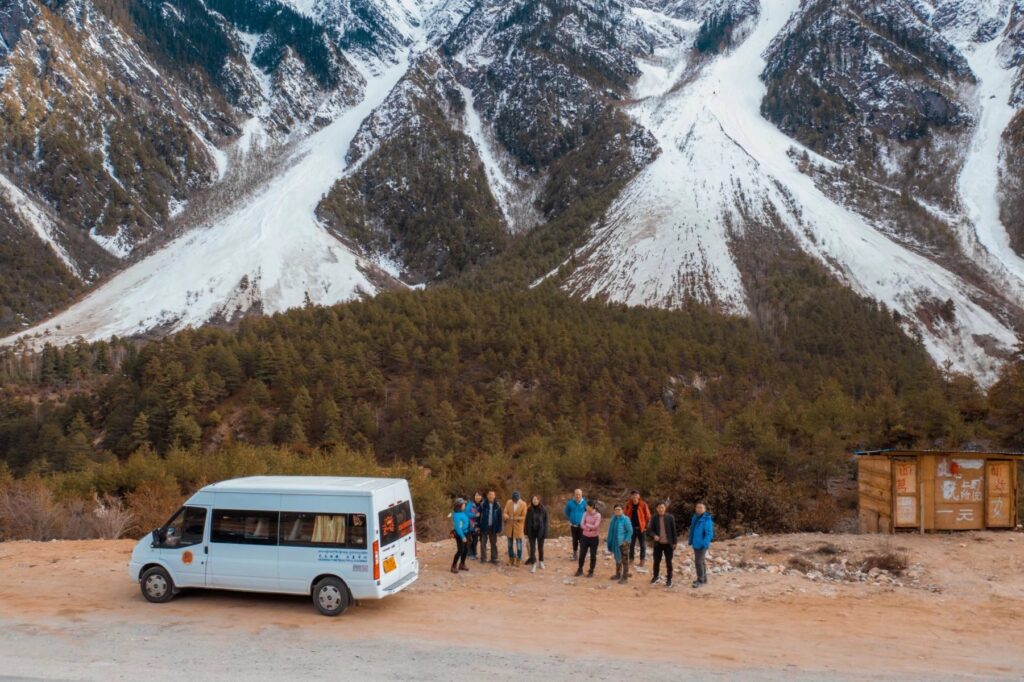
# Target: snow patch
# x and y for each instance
(273, 239)
(36, 217)
(502, 186)
(978, 182)
(218, 156)
(175, 207)
(724, 166)
(118, 245)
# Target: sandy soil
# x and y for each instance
(69, 611)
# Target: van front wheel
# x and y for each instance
(330, 596)
(157, 585)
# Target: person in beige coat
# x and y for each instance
(515, 527)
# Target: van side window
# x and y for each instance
(244, 527)
(185, 528)
(303, 529)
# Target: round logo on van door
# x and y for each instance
(186, 558)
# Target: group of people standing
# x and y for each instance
(477, 523)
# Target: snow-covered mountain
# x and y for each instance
(651, 152)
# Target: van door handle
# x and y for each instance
(206, 549)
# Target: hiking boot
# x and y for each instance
(455, 569)
(618, 573)
(462, 566)
(696, 583)
(655, 580)
(542, 565)
(668, 583)
(494, 561)
(579, 573)
(531, 561)
(624, 579)
(590, 574)
(533, 569)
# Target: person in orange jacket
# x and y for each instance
(637, 511)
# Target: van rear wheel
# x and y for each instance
(331, 596)
(157, 585)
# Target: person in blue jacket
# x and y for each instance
(575, 508)
(702, 532)
(460, 531)
(620, 532)
(490, 526)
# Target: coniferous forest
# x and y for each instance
(460, 390)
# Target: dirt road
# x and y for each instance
(69, 611)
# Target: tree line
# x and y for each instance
(511, 388)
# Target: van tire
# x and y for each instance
(331, 596)
(157, 585)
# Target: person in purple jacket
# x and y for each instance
(590, 526)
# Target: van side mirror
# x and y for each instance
(158, 537)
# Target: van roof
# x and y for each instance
(303, 485)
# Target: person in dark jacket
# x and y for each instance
(490, 526)
(460, 531)
(536, 532)
(702, 532)
(473, 512)
(662, 531)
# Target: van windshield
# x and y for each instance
(395, 523)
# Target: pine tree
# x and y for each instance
(139, 436)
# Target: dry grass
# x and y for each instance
(829, 549)
(894, 562)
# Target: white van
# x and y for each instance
(336, 539)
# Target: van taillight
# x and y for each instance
(376, 560)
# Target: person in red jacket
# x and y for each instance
(637, 511)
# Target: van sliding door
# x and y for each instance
(243, 549)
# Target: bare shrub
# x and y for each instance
(75, 520)
(110, 517)
(801, 563)
(737, 492)
(819, 515)
(28, 511)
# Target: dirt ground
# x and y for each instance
(771, 612)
